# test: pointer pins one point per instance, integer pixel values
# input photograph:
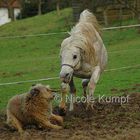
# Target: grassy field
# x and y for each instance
(38, 57)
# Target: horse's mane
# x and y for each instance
(84, 34)
(88, 17)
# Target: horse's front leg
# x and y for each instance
(72, 94)
(92, 84)
(64, 90)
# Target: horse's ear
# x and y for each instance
(34, 91)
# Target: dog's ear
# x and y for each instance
(34, 91)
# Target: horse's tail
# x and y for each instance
(87, 16)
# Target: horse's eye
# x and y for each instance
(75, 56)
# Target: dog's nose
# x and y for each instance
(54, 95)
(33, 85)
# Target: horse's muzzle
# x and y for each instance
(65, 80)
(65, 77)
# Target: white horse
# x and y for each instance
(83, 55)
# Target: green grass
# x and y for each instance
(38, 57)
(39, 24)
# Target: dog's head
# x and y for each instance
(42, 91)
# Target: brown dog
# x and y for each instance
(34, 107)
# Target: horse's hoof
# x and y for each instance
(90, 106)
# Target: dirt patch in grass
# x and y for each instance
(107, 121)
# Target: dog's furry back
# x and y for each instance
(37, 105)
(25, 107)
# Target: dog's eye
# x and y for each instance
(75, 56)
(34, 92)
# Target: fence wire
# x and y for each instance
(56, 78)
(65, 32)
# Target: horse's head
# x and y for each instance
(70, 61)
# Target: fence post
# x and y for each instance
(105, 17)
(138, 10)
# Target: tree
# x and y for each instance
(76, 6)
(79, 5)
(38, 4)
(133, 9)
(22, 6)
(39, 7)
(33, 7)
(58, 7)
(10, 9)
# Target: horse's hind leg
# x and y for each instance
(92, 84)
(84, 85)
